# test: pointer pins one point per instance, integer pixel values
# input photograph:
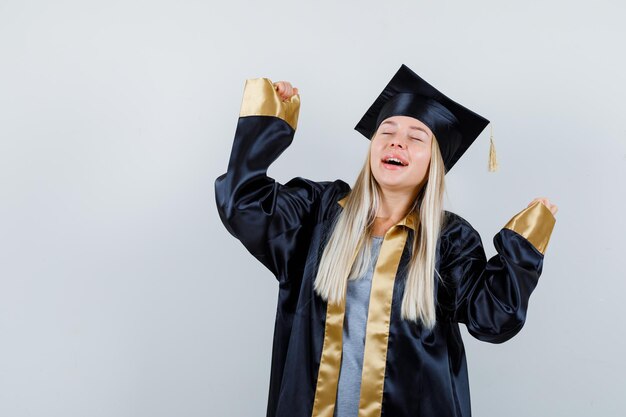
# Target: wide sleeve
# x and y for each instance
(272, 220)
(491, 296)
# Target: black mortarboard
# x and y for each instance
(407, 94)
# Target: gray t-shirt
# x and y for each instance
(355, 322)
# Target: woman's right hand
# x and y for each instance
(553, 207)
(285, 89)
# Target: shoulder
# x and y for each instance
(337, 190)
(454, 224)
(334, 192)
(457, 233)
(324, 195)
(320, 190)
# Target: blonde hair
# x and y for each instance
(352, 232)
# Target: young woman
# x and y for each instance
(375, 279)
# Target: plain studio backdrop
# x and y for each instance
(122, 294)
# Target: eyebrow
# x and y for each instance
(410, 127)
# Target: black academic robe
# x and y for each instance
(285, 227)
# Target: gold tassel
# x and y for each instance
(493, 162)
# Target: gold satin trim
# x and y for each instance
(260, 98)
(535, 223)
(410, 220)
(378, 319)
(377, 331)
(330, 364)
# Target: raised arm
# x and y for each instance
(491, 296)
(270, 219)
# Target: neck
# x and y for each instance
(394, 205)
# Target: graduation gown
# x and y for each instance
(407, 370)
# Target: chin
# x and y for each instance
(389, 182)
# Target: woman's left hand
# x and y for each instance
(553, 208)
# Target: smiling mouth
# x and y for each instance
(393, 162)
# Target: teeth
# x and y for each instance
(395, 159)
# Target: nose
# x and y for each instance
(396, 141)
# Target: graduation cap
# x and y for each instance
(454, 126)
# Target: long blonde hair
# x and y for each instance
(352, 231)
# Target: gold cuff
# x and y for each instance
(535, 224)
(260, 98)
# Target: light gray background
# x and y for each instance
(122, 294)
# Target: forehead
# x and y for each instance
(408, 121)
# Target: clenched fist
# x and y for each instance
(285, 89)
(553, 208)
